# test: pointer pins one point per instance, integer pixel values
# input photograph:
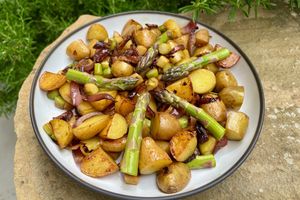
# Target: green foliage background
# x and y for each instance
(27, 26)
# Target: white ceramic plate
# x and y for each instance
(228, 159)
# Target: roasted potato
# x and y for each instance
(184, 39)
(173, 178)
(182, 88)
(60, 103)
(104, 103)
(89, 145)
(114, 155)
(163, 62)
(232, 97)
(212, 67)
(164, 126)
(116, 129)
(144, 37)
(123, 105)
(203, 50)
(215, 109)
(182, 145)
(90, 88)
(164, 48)
(91, 47)
(98, 32)
(131, 180)
(78, 50)
(172, 26)
(130, 27)
(65, 92)
(177, 57)
(116, 145)
(225, 79)
(98, 164)
(51, 81)
(208, 146)
(202, 37)
(62, 132)
(164, 145)
(152, 157)
(121, 68)
(91, 127)
(85, 108)
(141, 50)
(236, 125)
(203, 81)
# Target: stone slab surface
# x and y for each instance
(272, 42)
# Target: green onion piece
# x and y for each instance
(183, 121)
(52, 94)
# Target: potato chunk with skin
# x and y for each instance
(104, 103)
(164, 126)
(236, 125)
(123, 105)
(215, 109)
(65, 92)
(131, 180)
(202, 37)
(203, 81)
(232, 97)
(78, 50)
(144, 37)
(130, 27)
(152, 157)
(51, 81)
(116, 129)
(62, 132)
(171, 25)
(182, 145)
(173, 178)
(208, 147)
(182, 88)
(91, 127)
(116, 145)
(98, 32)
(98, 164)
(225, 79)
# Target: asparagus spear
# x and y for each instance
(130, 161)
(208, 122)
(122, 83)
(147, 60)
(177, 72)
(203, 161)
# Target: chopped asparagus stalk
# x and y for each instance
(208, 122)
(130, 161)
(122, 83)
(183, 121)
(177, 72)
(48, 129)
(61, 103)
(98, 69)
(52, 94)
(203, 161)
(152, 73)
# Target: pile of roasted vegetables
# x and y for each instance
(153, 99)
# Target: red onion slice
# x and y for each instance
(221, 143)
(65, 116)
(75, 94)
(190, 27)
(191, 43)
(81, 119)
(97, 97)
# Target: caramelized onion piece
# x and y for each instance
(97, 97)
(85, 117)
(220, 144)
(75, 94)
(190, 27)
(65, 116)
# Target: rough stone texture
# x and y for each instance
(272, 43)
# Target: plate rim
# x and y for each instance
(174, 196)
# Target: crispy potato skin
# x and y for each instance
(78, 50)
(173, 178)
(116, 145)
(123, 105)
(182, 145)
(164, 126)
(144, 37)
(91, 127)
(62, 132)
(98, 164)
(50, 81)
(152, 157)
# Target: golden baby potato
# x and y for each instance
(98, 32)
(215, 109)
(152, 157)
(91, 127)
(104, 103)
(131, 180)
(124, 105)
(116, 145)
(78, 50)
(121, 68)
(164, 126)
(51, 81)
(225, 79)
(130, 27)
(232, 96)
(183, 145)
(85, 107)
(173, 178)
(202, 37)
(62, 132)
(173, 27)
(65, 92)
(182, 88)
(144, 37)
(98, 164)
(236, 125)
(203, 81)
(164, 145)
